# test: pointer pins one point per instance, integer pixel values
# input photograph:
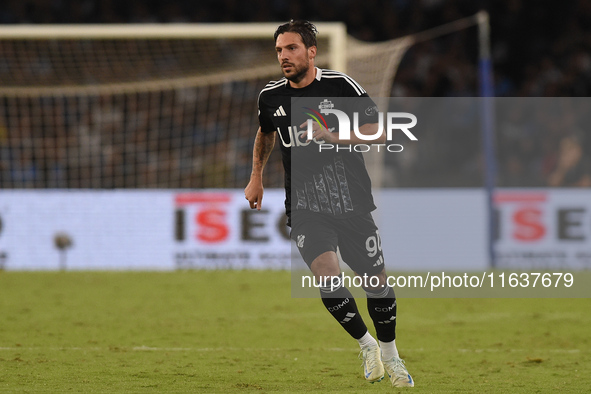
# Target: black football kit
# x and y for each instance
(323, 187)
(328, 182)
(328, 191)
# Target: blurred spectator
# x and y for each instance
(572, 168)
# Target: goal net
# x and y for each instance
(151, 106)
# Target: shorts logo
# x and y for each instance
(301, 239)
(379, 261)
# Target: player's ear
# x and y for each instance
(312, 52)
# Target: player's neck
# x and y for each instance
(308, 79)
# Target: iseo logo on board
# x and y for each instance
(529, 217)
(211, 218)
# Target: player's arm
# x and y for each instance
(263, 145)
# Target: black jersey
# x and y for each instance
(328, 182)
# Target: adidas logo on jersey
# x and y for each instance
(280, 111)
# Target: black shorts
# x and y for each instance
(357, 238)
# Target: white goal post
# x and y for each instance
(333, 33)
(137, 106)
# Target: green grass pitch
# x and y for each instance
(240, 331)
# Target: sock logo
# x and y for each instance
(388, 321)
(349, 315)
(339, 306)
(300, 241)
(385, 309)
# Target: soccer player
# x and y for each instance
(345, 222)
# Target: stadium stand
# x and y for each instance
(540, 49)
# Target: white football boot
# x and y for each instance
(398, 373)
(373, 369)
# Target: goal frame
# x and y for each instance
(336, 32)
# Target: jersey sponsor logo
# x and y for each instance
(295, 138)
(280, 111)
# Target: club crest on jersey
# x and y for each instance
(325, 104)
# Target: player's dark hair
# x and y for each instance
(305, 29)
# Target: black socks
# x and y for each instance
(382, 310)
(341, 304)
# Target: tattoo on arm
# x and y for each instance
(263, 145)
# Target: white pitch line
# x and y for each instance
(167, 349)
(495, 350)
(231, 349)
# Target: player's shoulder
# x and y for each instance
(334, 76)
(271, 89)
(274, 86)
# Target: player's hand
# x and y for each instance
(320, 133)
(254, 193)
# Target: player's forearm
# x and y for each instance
(263, 145)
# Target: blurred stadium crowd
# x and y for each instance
(540, 49)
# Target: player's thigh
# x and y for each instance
(360, 245)
(313, 238)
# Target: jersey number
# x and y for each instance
(373, 244)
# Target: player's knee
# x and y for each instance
(327, 264)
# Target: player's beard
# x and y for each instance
(297, 73)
